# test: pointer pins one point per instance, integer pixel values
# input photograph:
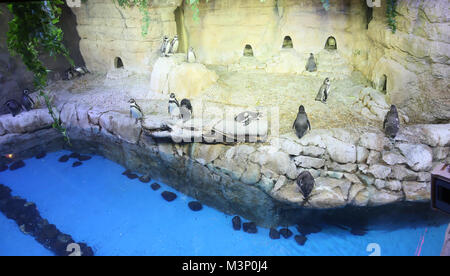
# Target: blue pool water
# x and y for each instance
(114, 215)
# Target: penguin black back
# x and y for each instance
(301, 123)
(391, 123)
(13, 106)
(305, 182)
(186, 103)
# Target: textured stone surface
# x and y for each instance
(419, 157)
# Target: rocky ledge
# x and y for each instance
(254, 180)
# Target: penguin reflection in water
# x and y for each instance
(135, 111)
(301, 123)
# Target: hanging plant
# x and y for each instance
(143, 6)
(391, 12)
(32, 32)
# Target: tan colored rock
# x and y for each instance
(25, 121)
(309, 162)
(417, 191)
(383, 197)
(418, 157)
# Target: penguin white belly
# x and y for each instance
(174, 111)
(135, 113)
(174, 47)
(191, 57)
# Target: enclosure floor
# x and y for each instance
(118, 216)
(248, 89)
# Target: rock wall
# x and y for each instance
(415, 59)
(257, 180)
(14, 76)
(109, 31)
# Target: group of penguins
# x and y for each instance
(26, 103)
(176, 110)
(170, 47)
(305, 180)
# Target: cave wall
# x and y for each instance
(14, 76)
(415, 59)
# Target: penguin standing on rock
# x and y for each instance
(305, 182)
(14, 107)
(185, 110)
(301, 123)
(391, 123)
(174, 45)
(311, 64)
(135, 110)
(191, 55)
(174, 107)
(324, 91)
(164, 45)
(27, 101)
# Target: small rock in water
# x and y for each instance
(126, 172)
(74, 155)
(195, 206)
(17, 165)
(358, 232)
(145, 179)
(274, 234)
(306, 229)
(168, 196)
(132, 176)
(63, 158)
(155, 186)
(84, 157)
(5, 192)
(236, 223)
(41, 155)
(3, 168)
(300, 239)
(77, 164)
(286, 233)
(249, 227)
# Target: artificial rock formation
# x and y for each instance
(256, 181)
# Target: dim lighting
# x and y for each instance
(9, 156)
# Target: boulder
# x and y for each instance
(236, 222)
(309, 162)
(274, 234)
(417, 191)
(168, 196)
(340, 151)
(418, 157)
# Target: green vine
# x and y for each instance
(391, 12)
(32, 32)
(143, 8)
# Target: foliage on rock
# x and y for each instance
(32, 32)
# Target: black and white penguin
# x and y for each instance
(311, 64)
(14, 107)
(164, 45)
(81, 70)
(27, 101)
(324, 91)
(135, 110)
(391, 123)
(174, 107)
(68, 74)
(191, 55)
(185, 109)
(174, 45)
(305, 182)
(301, 123)
(247, 117)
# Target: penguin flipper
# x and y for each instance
(309, 125)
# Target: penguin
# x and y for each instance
(27, 101)
(174, 107)
(81, 70)
(174, 45)
(391, 122)
(135, 110)
(301, 123)
(185, 110)
(247, 117)
(305, 182)
(324, 91)
(311, 64)
(68, 74)
(164, 45)
(191, 55)
(14, 107)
